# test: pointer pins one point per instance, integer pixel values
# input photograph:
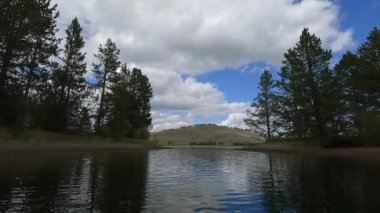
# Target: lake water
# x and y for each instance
(186, 180)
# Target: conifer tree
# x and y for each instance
(105, 70)
(369, 67)
(348, 95)
(69, 81)
(130, 106)
(369, 55)
(122, 104)
(303, 87)
(42, 44)
(27, 41)
(142, 93)
(262, 115)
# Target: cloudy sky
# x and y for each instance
(204, 58)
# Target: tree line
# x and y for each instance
(313, 99)
(43, 86)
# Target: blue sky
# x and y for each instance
(239, 85)
(185, 47)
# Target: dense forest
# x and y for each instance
(43, 84)
(315, 99)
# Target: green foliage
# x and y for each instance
(303, 87)
(43, 88)
(105, 71)
(84, 121)
(262, 116)
(130, 104)
(27, 41)
(68, 82)
(313, 101)
(358, 82)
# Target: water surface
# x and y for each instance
(186, 180)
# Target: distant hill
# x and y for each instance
(206, 135)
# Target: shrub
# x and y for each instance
(338, 141)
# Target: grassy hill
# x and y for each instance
(206, 135)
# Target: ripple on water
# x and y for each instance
(186, 180)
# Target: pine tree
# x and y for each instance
(68, 79)
(348, 95)
(105, 70)
(27, 41)
(130, 106)
(262, 115)
(142, 92)
(303, 87)
(84, 126)
(369, 55)
(369, 60)
(42, 44)
(122, 104)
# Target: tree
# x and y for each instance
(369, 67)
(105, 70)
(122, 104)
(348, 93)
(262, 115)
(142, 92)
(85, 125)
(27, 41)
(42, 44)
(13, 33)
(369, 55)
(69, 81)
(130, 106)
(303, 87)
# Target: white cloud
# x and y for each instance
(162, 121)
(198, 36)
(169, 38)
(174, 92)
(235, 120)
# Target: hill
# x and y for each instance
(206, 135)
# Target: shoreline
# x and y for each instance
(360, 153)
(74, 147)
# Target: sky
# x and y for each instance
(204, 58)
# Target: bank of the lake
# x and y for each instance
(49, 141)
(75, 147)
(365, 153)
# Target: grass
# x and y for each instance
(294, 142)
(43, 137)
(206, 135)
(329, 142)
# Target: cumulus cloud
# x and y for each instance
(162, 121)
(172, 38)
(198, 36)
(172, 91)
(235, 120)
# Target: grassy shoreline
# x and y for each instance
(363, 153)
(35, 140)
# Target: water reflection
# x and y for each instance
(108, 182)
(186, 180)
(323, 184)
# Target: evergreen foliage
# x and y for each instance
(305, 79)
(105, 71)
(43, 88)
(313, 101)
(262, 113)
(68, 81)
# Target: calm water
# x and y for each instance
(186, 180)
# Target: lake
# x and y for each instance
(186, 180)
